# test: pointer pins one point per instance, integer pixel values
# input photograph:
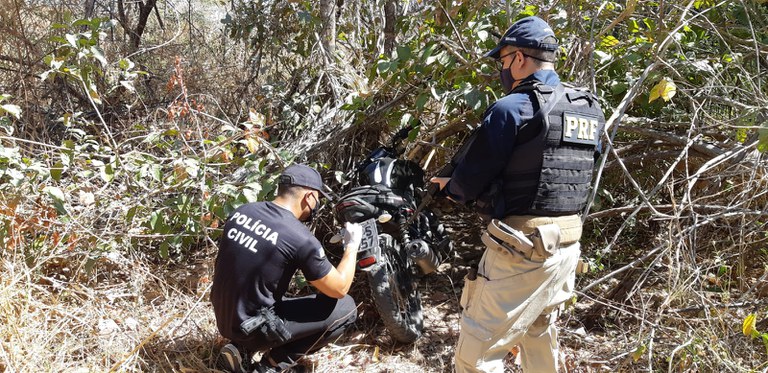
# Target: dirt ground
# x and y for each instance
(372, 349)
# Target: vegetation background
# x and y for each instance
(130, 129)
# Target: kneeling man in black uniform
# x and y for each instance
(262, 246)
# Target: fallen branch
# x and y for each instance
(671, 208)
(728, 305)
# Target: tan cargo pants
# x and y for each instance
(514, 301)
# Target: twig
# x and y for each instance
(622, 269)
(143, 342)
(670, 208)
(632, 181)
(34, 143)
(392, 102)
(197, 302)
(729, 305)
(179, 31)
(455, 30)
(452, 51)
(8, 365)
(706, 149)
(651, 194)
(678, 348)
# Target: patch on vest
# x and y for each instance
(580, 129)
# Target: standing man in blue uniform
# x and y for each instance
(528, 171)
(262, 246)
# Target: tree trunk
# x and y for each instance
(328, 33)
(390, 18)
(89, 5)
(134, 34)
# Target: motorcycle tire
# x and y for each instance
(396, 296)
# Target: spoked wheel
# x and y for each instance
(395, 294)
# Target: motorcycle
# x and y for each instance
(402, 240)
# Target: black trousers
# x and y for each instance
(314, 321)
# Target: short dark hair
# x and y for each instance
(291, 190)
(541, 54)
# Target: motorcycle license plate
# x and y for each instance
(368, 253)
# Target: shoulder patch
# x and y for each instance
(320, 252)
(580, 129)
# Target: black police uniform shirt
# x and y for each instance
(488, 155)
(261, 248)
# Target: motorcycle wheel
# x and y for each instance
(396, 296)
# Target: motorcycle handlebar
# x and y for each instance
(401, 134)
(398, 136)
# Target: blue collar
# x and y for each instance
(548, 77)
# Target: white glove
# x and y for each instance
(353, 235)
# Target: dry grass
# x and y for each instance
(153, 319)
(136, 321)
(127, 313)
(133, 315)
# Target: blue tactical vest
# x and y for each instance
(550, 169)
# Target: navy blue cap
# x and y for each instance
(303, 175)
(529, 32)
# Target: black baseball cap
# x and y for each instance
(303, 175)
(529, 32)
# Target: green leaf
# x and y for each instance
(473, 99)
(427, 52)
(445, 59)
(164, 250)
(58, 198)
(382, 67)
(251, 195)
(157, 172)
(762, 144)
(404, 53)
(530, 10)
(421, 101)
(126, 64)
(639, 352)
(130, 214)
(482, 35)
(155, 221)
(650, 24)
(99, 55)
(72, 39)
(609, 42)
(618, 88)
(13, 110)
(741, 135)
(633, 26)
(81, 22)
(57, 170)
(107, 172)
(698, 4)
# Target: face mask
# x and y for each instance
(312, 212)
(507, 80)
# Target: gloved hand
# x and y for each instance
(353, 235)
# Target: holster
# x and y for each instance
(267, 326)
(546, 240)
(538, 246)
